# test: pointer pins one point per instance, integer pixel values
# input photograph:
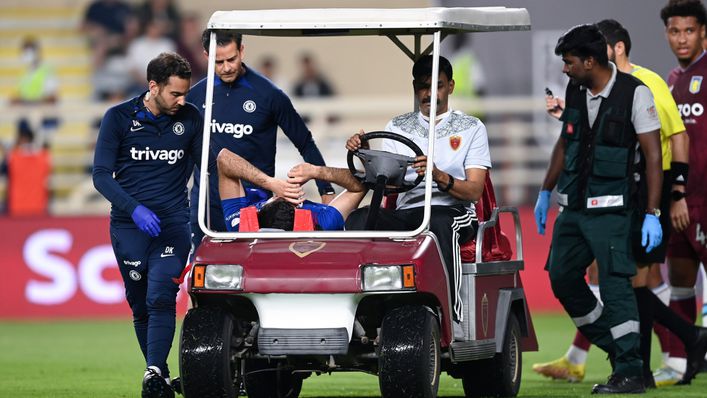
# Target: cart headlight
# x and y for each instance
(223, 277)
(388, 277)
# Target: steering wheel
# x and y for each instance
(384, 171)
(385, 167)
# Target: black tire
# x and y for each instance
(205, 352)
(270, 379)
(409, 359)
(499, 376)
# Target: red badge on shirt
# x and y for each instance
(455, 141)
(570, 128)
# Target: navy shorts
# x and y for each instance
(151, 267)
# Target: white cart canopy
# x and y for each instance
(390, 22)
(370, 21)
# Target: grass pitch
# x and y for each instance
(100, 358)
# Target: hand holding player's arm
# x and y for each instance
(296, 130)
(304, 172)
(233, 167)
(292, 193)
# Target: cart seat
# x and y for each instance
(496, 245)
(249, 220)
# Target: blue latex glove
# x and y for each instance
(541, 208)
(146, 221)
(651, 232)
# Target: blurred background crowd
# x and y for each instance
(65, 62)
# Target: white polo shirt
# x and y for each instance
(462, 143)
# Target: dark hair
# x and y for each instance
(684, 8)
(25, 130)
(30, 42)
(614, 32)
(168, 64)
(583, 41)
(423, 67)
(223, 37)
(277, 214)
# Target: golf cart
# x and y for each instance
(270, 308)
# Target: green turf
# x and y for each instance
(80, 359)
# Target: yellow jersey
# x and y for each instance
(670, 120)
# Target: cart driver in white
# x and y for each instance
(460, 164)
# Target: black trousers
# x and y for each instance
(452, 225)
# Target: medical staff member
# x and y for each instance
(144, 155)
(607, 112)
(674, 146)
(247, 110)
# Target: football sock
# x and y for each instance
(662, 291)
(673, 322)
(644, 302)
(581, 342)
(576, 355)
(682, 302)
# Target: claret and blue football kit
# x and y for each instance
(145, 160)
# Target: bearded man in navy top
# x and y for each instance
(144, 156)
(247, 110)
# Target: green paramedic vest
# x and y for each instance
(598, 174)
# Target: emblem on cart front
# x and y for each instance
(304, 249)
(485, 314)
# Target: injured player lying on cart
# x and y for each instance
(249, 209)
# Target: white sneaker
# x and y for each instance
(666, 376)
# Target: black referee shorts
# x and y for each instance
(657, 255)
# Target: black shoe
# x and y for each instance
(155, 386)
(621, 385)
(695, 356)
(648, 381)
(177, 385)
(612, 360)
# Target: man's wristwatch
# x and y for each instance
(655, 212)
(327, 191)
(677, 195)
(449, 186)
